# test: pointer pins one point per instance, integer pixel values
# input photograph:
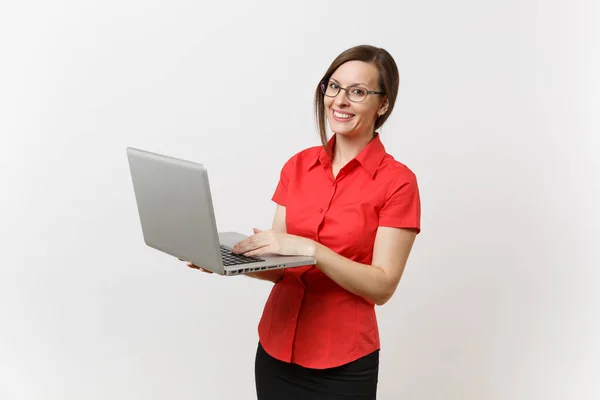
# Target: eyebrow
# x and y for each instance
(353, 84)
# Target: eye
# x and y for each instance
(358, 91)
(333, 85)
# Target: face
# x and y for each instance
(350, 118)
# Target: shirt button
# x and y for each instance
(320, 210)
(292, 319)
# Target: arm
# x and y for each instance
(376, 282)
(278, 226)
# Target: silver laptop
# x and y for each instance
(177, 217)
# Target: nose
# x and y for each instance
(341, 100)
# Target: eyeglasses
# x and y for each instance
(355, 94)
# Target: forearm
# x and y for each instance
(272, 276)
(367, 281)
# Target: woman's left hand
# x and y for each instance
(269, 241)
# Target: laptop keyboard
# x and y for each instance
(230, 258)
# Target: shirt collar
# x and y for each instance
(369, 158)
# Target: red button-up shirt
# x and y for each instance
(309, 319)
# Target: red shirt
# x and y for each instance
(309, 319)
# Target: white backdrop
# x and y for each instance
(497, 115)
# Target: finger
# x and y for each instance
(255, 245)
(250, 240)
(242, 244)
(257, 252)
(193, 266)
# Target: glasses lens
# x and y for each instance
(356, 93)
(330, 89)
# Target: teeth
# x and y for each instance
(340, 115)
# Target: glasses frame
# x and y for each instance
(324, 86)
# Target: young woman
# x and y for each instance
(357, 210)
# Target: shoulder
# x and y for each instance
(396, 172)
(402, 204)
(303, 158)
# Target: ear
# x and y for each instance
(384, 107)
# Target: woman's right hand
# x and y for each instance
(193, 266)
(271, 276)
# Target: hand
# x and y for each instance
(269, 241)
(189, 264)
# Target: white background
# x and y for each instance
(498, 115)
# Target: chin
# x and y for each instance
(341, 129)
(343, 132)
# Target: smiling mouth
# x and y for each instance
(340, 116)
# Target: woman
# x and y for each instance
(357, 211)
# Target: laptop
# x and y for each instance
(176, 213)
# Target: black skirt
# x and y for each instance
(277, 380)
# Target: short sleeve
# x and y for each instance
(402, 208)
(281, 191)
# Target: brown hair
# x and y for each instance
(389, 80)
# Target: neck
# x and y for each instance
(346, 148)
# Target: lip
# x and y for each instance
(339, 119)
